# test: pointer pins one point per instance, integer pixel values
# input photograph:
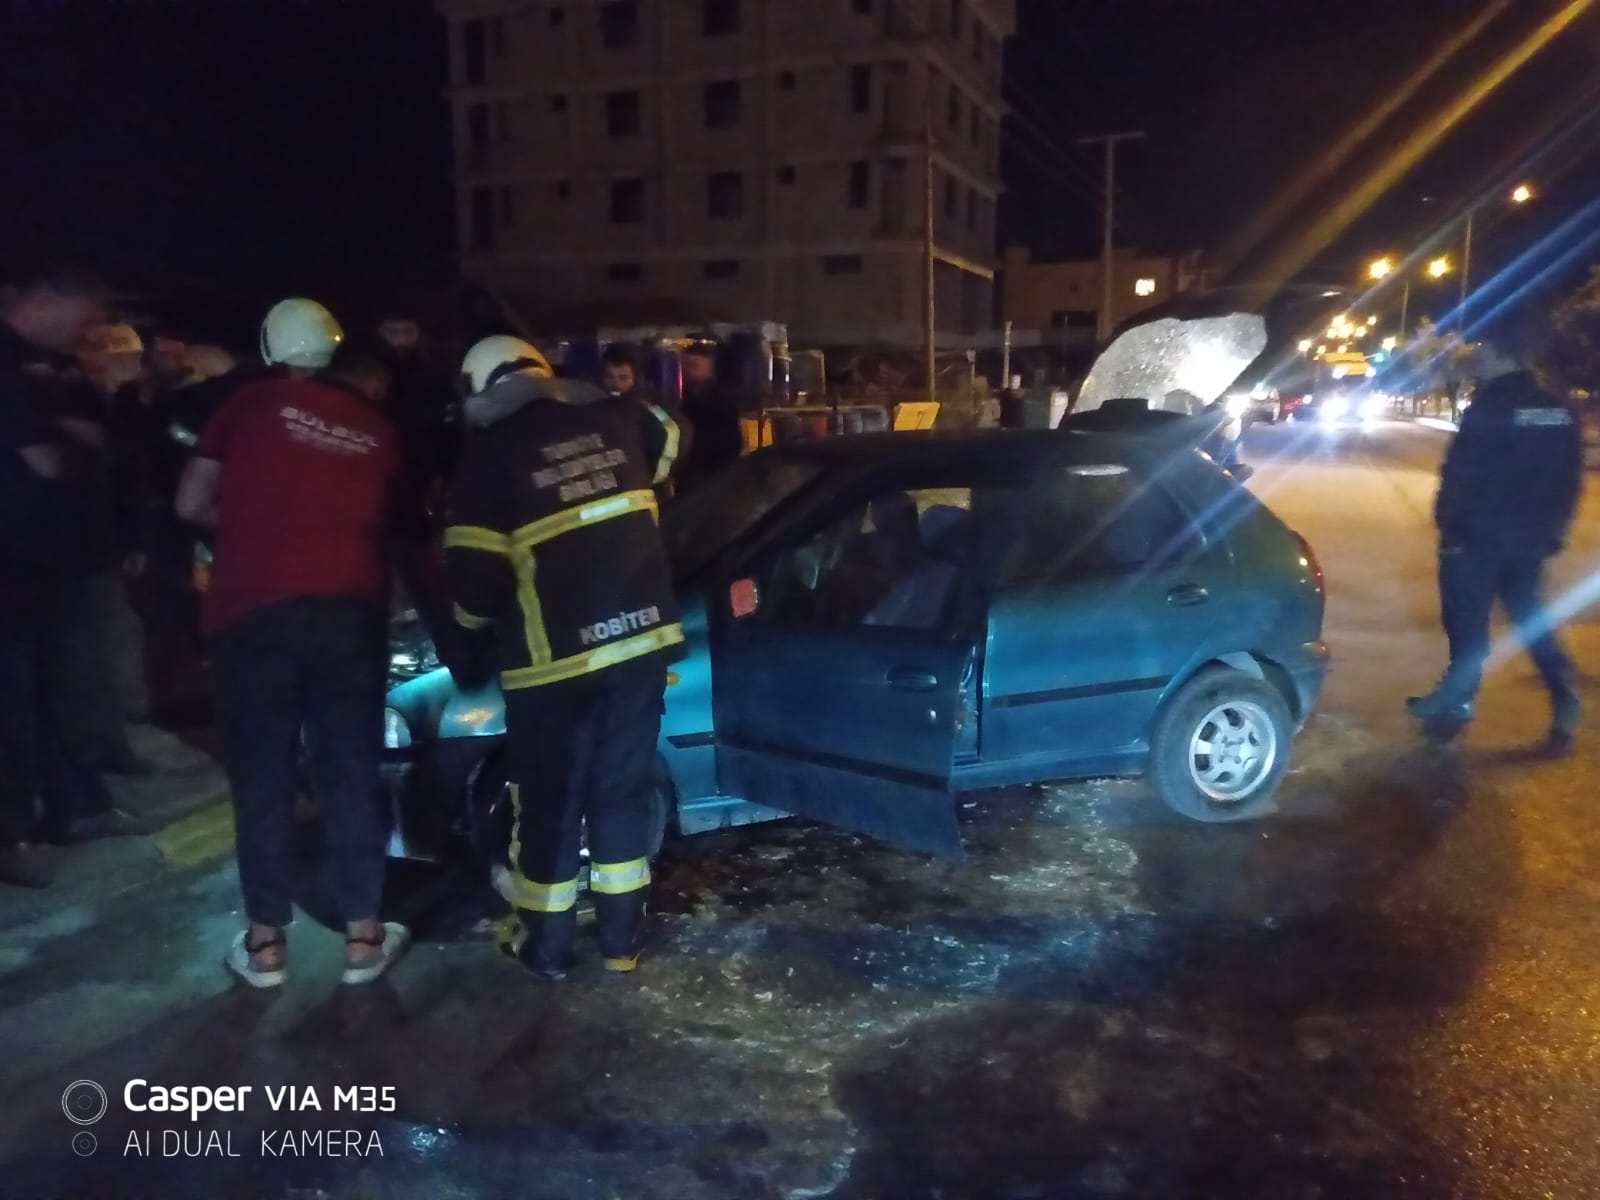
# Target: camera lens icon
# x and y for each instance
(84, 1102)
(84, 1143)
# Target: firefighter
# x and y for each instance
(559, 577)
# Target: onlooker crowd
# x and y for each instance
(168, 516)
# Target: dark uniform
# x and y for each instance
(553, 546)
(1507, 493)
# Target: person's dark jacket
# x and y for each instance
(713, 413)
(553, 544)
(90, 479)
(423, 410)
(679, 446)
(42, 519)
(1512, 477)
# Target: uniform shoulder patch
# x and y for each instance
(1542, 416)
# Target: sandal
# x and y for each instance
(241, 960)
(391, 944)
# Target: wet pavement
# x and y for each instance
(1389, 989)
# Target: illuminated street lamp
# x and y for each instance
(1305, 346)
(1439, 267)
(1389, 343)
(1380, 267)
(1521, 194)
(1372, 320)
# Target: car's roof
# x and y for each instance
(867, 450)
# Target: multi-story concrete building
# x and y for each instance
(1061, 298)
(740, 159)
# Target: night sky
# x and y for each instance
(255, 146)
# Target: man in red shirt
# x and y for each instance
(296, 472)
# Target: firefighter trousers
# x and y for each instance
(583, 759)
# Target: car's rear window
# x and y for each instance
(1087, 520)
(701, 525)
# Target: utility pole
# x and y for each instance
(929, 308)
(1108, 246)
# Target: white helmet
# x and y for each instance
(494, 358)
(299, 333)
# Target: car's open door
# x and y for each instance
(851, 727)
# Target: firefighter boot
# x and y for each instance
(541, 942)
(619, 917)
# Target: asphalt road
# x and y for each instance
(1390, 989)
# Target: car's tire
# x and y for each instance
(1253, 721)
(663, 807)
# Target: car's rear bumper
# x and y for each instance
(1307, 673)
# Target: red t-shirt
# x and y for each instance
(307, 470)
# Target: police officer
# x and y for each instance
(1508, 490)
(554, 558)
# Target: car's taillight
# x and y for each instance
(1308, 558)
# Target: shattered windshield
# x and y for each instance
(1175, 365)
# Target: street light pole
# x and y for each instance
(1405, 308)
(1109, 226)
(929, 268)
(1466, 271)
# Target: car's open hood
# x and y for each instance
(1175, 365)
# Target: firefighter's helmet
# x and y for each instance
(299, 333)
(495, 358)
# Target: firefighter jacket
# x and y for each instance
(553, 541)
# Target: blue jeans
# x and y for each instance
(1471, 579)
(315, 667)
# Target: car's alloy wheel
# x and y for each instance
(1220, 746)
(1233, 751)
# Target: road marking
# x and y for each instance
(197, 838)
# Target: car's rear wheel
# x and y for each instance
(1221, 746)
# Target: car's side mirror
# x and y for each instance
(743, 598)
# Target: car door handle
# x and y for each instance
(911, 679)
(1187, 595)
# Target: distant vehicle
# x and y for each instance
(1345, 394)
(1261, 403)
(1289, 405)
